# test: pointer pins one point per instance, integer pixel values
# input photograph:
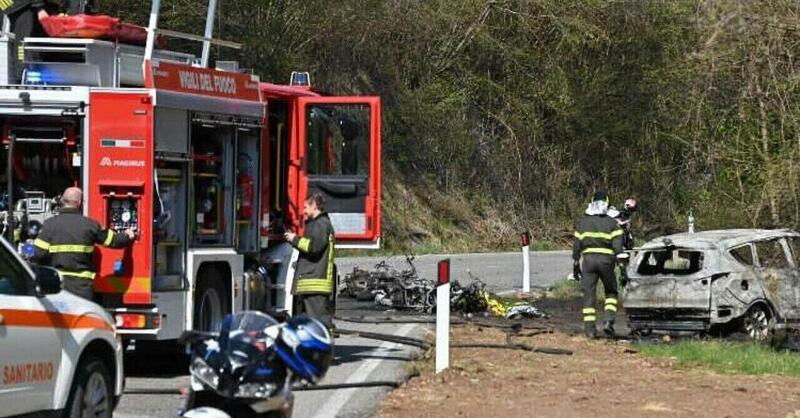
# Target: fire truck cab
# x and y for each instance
(208, 165)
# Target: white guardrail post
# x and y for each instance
(526, 262)
(443, 316)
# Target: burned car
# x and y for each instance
(744, 280)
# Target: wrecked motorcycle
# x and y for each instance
(249, 368)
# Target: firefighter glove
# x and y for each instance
(576, 270)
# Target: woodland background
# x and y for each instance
(505, 115)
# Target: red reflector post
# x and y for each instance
(444, 272)
(526, 238)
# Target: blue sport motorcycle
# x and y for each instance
(249, 368)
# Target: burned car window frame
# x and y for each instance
(793, 251)
(751, 247)
(781, 243)
(646, 269)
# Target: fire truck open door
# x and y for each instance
(338, 154)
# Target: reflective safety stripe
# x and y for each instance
(309, 285)
(304, 244)
(599, 235)
(597, 250)
(41, 244)
(588, 310)
(109, 238)
(317, 285)
(71, 248)
(331, 249)
(611, 301)
(80, 274)
(612, 308)
(589, 318)
(5, 4)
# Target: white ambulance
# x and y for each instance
(58, 352)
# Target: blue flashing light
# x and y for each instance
(300, 78)
(118, 267)
(27, 250)
(33, 77)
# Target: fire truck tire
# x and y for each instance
(91, 393)
(210, 301)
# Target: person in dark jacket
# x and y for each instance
(67, 243)
(314, 275)
(598, 240)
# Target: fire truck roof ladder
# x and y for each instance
(206, 39)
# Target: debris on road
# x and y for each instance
(406, 290)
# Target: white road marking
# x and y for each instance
(340, 398)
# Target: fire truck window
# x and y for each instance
(338, 140)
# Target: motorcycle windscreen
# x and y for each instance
(339, 149)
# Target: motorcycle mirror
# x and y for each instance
(273, 331)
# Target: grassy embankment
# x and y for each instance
(728, 357)
(419, 219)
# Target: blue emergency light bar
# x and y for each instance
(60, 74)
(300, 79)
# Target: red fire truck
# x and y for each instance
(208, 165)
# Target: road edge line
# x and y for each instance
(340, 399)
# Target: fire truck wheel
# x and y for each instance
(91, 394)
(209, 302)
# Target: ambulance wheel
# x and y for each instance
(91, 394)
(210, 305)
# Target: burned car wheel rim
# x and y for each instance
(756, 323)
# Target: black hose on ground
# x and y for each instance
(333, 386)
(132, 391)
(416, 342)
(428, 320)
(377, 383)
(392, 320)
(543, 350)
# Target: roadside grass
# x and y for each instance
(565, 289)
(727, 357)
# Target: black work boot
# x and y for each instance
(590, 330)
(608, 328)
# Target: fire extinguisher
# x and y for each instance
(246, 188)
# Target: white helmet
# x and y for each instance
(205, 412)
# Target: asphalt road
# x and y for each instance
(357, 359)
(500, 271)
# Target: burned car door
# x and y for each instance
(777, 277)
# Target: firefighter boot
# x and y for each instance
(589, 329)
(608, 328)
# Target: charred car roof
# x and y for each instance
(718, 239)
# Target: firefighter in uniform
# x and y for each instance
(598, 242)
(67, 244)
(314, 275)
